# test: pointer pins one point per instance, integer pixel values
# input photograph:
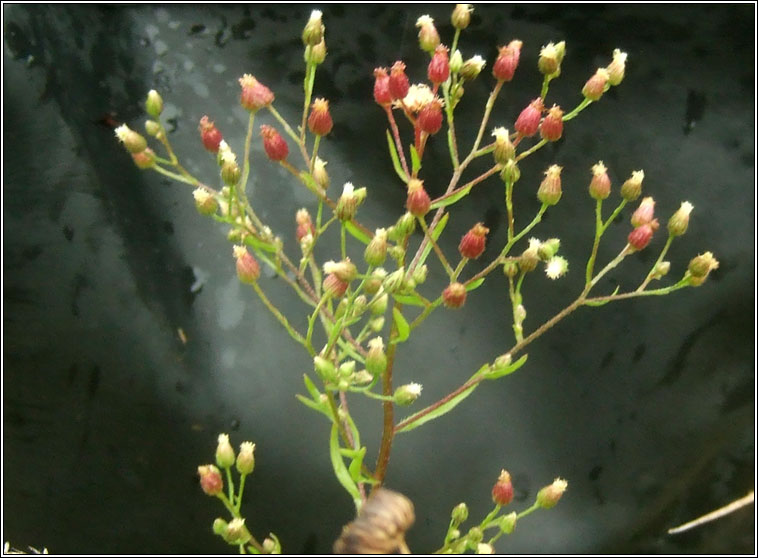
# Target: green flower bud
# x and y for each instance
(245, 458)
(224, 452)
(154, 103)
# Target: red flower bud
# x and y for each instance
(209, 134)
(210, 480)
(382, 93)
(551, 128)
(507, 61)
(274, 144)
(644, 213)
(248, 270)
(145, 159)
(472, 243)
(528, 122)
(502, 492)
(334, 286)
(320, 121)
(254, 94)
(418, 201)
(454, 296)
(640, 237)
(399, 84)
(429, 118)
(439, 68)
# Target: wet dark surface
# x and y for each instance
(646, 407)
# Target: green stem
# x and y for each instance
(531, 150)
(580, 107)
(241, 490)
(598, 233)
(437, 250)
(279, 316)
(651, 274)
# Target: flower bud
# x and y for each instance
(317, 53)
(661, 270)
(334, 287)
(485, 548)
(641, 236)
(230, 173)
(133, 141)
(346, 369)
(319, 173)
(472, 67)
(248, 270)
(680, 220)
(460, 513)
(403, 228)
(344, 270)
(374, 281)
(528, 122)
(320, 121)
(551, 128)
(504, 149)
(418, 201)
(224, 452)
(596, 85)
(461, 16)
(548, 249)
(550, 59)
(510, 173)
(376, 251)
(549, 191)
(511, 268)
(209, 134)
(394, 281)
(507, 523)
(152, 128)
(456, 61)
(304, 224)
(399, 84)
(632, 188)
(474, 536)
(254, 94)
(407, 394)
(428, 38)
(429, 118)
(348, 202)
(439, 67)
(313, 30)
(245, 458)
(210, 480)
(376, 360)
(271, 546)
(397, 253)
(325, 369)
(379, 306)
(507, 61)
(472, 243)
(419, 274)
(548, 497)
(699, 268)
(220, 526)
(529, 258)
(454, 296)
(644, 213)
(205, 203)
(600, 185)
(154, 103)
(144, 159)
(273, 143)
(502, 492)
(237, 533)
(382, 94)
(617, 67)
(556, 267)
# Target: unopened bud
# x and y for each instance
(399, 84)
(472, 67)
(394, 281)
(334, 286)
(407, 394)
(474, 536)
(348, 202)
(661, 270)
(596, 85)
(528, 122)
(418, 201)
(461, 16)
(419, 274)
(325, 369)
(510, 173)
(205, 203)
(600, 185)
(154, 103)
(548, 249)
(374, 282)
(460, 513)
(382, 94)
(428, 38)
(320, 121)
(439, 67)
(507, 523)
(319, 173)
(219, 527)
(344, 270)
(502, 491)
(680, 220)
(454, 296)
(224, 452)
(404, 227)
(473, 242)
(429, 118)
(144, 159)
(507, 61)
(504, 149)
(237, 533)
(376, 251)
(551, 128)
(246, 458)
(632, 188)
(152, 128)
(699, 268)
(376, 360)
(210, 480)
(529, 258)
(644, 213)
(617, 67)
(274, 144)
(456, 61)
(133, 141)
(313, 30)
(254, 94)
(550, 59)
(230, 173)
(550, 191)
(548, 497)
(379, 306)
(511, 268)
(485, 548)
(641, 236)
(376, 324)
(318, 53)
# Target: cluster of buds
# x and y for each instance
(644, 224)
(136, 144)
(606, 77)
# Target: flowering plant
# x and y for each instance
(364, 300)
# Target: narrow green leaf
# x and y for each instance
(313, 405)
(411, 299)
(415, 161)
(357, 233)
(496, 373)
(355, 465)
(403, 329)
(444, 202)
(602, 302)
(439, 411)
(475, 284)
(340, 471)
(395, 160)
(260, 244)
(435, 234)
(311, 387)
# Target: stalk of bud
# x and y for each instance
(632, 188)
(382, 94)
(551, 128)
(502, 492)
(418, 201)
(528, 122)
(428, 38)
(473, 242)
(507, 61)
(439, 67)
(548, 497)
(273, 143)
(454, 296)
(398, 84)
(461, 16)
(429, 118)
(320, 121)
(254, 94)
(209, 134)
(600, 185)
(549, 191)
(680, 220)
(248, 270)
(596, 85)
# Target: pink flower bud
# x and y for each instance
(550, 191)
(274, 144)
(641, 236)
(644, 213)
(144, 159)
(429, 118)
(551, 128)
(473, 242)
(254, 94)
(382, 93)
(248, 270)
(399, 84)
(596, 85)
(334, 287)
(320, 121)
(454, 296)
(209, 134)
(210, 480)
(304, 224)
(507, 61)
(502, 492)
(418, 201)
(528, 122)
(600, 185)
(439, 67)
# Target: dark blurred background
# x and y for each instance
(647, 406)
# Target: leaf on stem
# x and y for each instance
(395, 160)
(602, 302)
(403, 329)
(496, 373)
(415, 161)
(355, 465)
(260, 244)
(435, 234)
(439, 411)
(475, 284)
(356, 232)
(449, 200)
(340, 471)
(311, 387)
(320, 407)
(411, 299)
